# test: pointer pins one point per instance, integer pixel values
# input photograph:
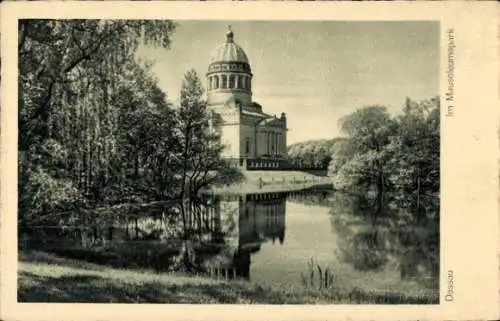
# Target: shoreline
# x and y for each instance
(250, 189)
(261, 182)
(45, 277)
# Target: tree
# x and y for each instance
(200, 147)
(200, 163)
(75, 76)
(312, 153)
(393, 165)
(414, 157)
(368, 131)
(395, 158)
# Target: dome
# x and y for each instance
(228, 51)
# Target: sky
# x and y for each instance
(314, 71)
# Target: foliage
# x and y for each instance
(313, 153)
(385, 241)
(396, 159)
(97, 136)
(392, 164)
(415, 161)
(199, 147)
(81, 93)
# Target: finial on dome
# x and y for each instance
(229, 34)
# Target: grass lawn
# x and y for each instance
(44, 277)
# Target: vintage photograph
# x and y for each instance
(249, 162)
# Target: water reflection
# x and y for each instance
(269, 238)
(361, 241)
(245, 223)
(372, 240)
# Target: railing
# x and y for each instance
(270, 162)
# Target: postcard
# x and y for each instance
(249, 161)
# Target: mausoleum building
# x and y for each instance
(246, 131)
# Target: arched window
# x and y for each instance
(231, 82)
(216, 82)
(223, 84)
(240, 82)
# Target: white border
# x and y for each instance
(469, 157)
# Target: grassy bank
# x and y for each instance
(45, 277)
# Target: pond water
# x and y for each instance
(278, 238)
(285, 239)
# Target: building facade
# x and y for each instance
(246, 131)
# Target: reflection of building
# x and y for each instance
(246, 130)
(244, 223)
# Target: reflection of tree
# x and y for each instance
(313, 196)
(369, 239)
(224, 232)
(365, 251)
(417, 251)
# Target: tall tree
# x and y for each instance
(395, 157)
(75, 76)
(414, 157)
(200, 148)
(368, 130)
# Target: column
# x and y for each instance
(279, 143)
(271, 143)
(268, 135)
(276, 143)
(271, 137)
(284, 143)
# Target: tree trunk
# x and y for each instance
(183, 183)
(380, 192)
(418, 189)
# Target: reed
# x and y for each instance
(317, 277)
